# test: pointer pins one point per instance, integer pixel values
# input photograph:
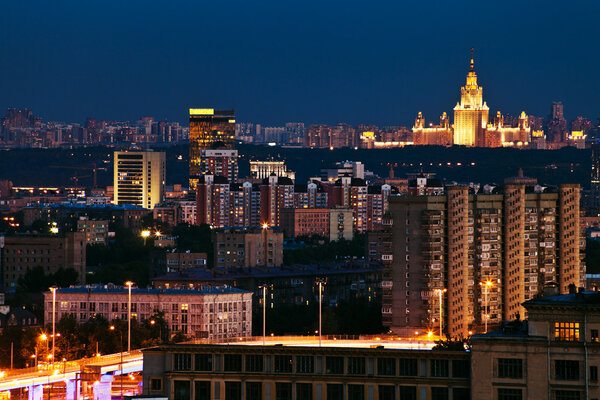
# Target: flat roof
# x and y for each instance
(141, 291)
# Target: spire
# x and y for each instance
(472, 60)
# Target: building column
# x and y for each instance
(72, 389)
(102, 388)
(35, 392)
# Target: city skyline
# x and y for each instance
(324, 65)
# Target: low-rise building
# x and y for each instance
(306, 368)
(167, 213)
(209, 312)
(178, 261)
(95, 230)
(21, 253)
(248, 247)
(333, 223)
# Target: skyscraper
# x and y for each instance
(471, 114)
(139, 177)
(209, 129)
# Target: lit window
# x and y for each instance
(566, 331)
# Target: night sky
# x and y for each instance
(310, 61)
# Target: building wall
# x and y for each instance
(139, 178)
(95, 231)
(247, 248)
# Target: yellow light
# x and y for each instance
(54, 230)
(129, 283)
(145, 234)
(43, 336)
(202, 111)
(470, 332)
(265, 225)
(157, 233)
(429, 334)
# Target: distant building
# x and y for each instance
(209, 130)
(139, 178)
(95, 231)
(223, 162)
(248, 247)
(168, 213)
(189, 212)
(214, 313)
(332, 223)
(353, 169)
(264, 169)
(180, 260)
(21, 253)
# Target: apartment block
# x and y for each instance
(248, 247)
(333, 223)
(95, 231)
(479, 255)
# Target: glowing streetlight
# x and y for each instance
(440, 293)
(486, 287)
(145, 234)
(320, 282)
(112, 328)
(54, 228)
(129, 284)
(265, 225)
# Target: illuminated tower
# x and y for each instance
(209, 129)
(471, 114)
(139, 177)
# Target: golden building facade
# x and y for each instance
(209, 129)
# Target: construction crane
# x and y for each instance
(75, 178)
(92, 167)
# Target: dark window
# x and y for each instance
(356, 392)
(594, 335)
(387, 392)
(567, 370)
(233, 391)
(305, 364)
(283, 391)
(203, 362)
(407, 367)
(181, 390)
(334, 365)
(155, 384)
(439, 368)
(593, 373)
(408, 392)
(303, 391)
(254, 363)
(253, 391)
(461, 394)
(510, 394)
(335, 391)
(202, 390)
(439, 393)
(356, 365)
(283, 364)
(182, 362)
(567, 395)
(232, 362)
(386, 366)
(510, 368)
(461, 369)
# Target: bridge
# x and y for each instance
(98, 372)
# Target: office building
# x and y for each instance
(306, 368)
(446, 247)
(215, 312)
(553, 355)
(209, 130)
(139, 178)
(22, 253)
(247, 247)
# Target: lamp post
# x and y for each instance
(264, 321)
(129, 284)
(53, 289)
(486, 287)
(440, 293)
(152, 322)
(145, 235)
(320, 282)
(112, 328)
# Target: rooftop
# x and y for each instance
(108, 289)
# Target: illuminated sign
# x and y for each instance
(202, 111)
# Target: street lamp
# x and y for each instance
(53, 289)
(145, 235)
(112, 328)
(129, 284)
(264, 293)
(152, 322)
(440, 293)
(320, 282)
(486, 287)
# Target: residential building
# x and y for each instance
(446, 247)
(332, 223)
(168, 213)
(21, 253)
(223, 162)
(264, 169)
(214, 312)
(306, 368)
(189, 212)
(553, 355)
(139, 178)
(180, 260)
(95, 231)
(209, 130)
(248, 247)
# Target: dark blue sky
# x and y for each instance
(313, 61)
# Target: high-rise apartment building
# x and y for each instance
(446, 247)
(139, 178)
(209, 129)
(248, 247)
(220, 162)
